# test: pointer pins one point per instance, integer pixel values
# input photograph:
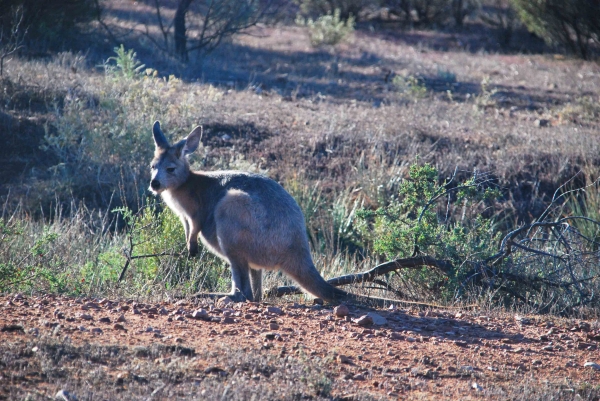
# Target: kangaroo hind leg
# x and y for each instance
(241, 287)
(256, 283)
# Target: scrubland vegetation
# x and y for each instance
(395, 138)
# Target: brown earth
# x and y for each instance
(105, 349)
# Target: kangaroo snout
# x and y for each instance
(155, 185)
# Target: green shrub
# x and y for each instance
(328, 29)
(155, 244)
(410, 86)
(574, 24)
(411, 224)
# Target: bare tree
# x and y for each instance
(11, 40)
(202, 25)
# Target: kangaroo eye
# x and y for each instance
(170, 170)
(153, 167)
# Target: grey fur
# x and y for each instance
(246, 219)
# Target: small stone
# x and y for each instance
(344, 359)
(548, 348)
(358, 376)
(522, 320)
(105, 319)
(364, 320)
(121, 319)
(90, 305)
(227, 320)
(200, 314)
(136, 311)
(271, 336)
(224, 301)
(592, 365)
(97, 330)
(85, 316)
(273, 326)
(274, 310)
(341, 310)
(378, 320)
(178, 340)
(396, 336)
(64, 395)
(541, 123)
(118, 326)
(163, 311)
(476, 387)
(411, 339)
(467, 368)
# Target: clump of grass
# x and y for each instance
(583, 109)
(51, 255)
(485, 99)
(328, 29)
(410, 86)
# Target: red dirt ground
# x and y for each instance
(414, 354)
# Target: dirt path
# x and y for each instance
(183, 350)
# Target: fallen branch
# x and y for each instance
(416, 262)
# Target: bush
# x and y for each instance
(102, 138)
(328, 29)
(347, 8)
(411, 224)
(47, 22)
(574, 24)
(410, 86)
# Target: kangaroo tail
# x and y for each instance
(312, 282)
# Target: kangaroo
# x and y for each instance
(246, 219)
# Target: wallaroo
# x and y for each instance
(247, 219)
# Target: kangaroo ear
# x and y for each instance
(193, 140)
(160, 141)
(189, 144)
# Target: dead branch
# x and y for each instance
(417, 262)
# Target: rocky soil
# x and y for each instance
(69, 348)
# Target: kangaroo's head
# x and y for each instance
(170, 167)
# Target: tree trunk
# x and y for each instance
(179, 28)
